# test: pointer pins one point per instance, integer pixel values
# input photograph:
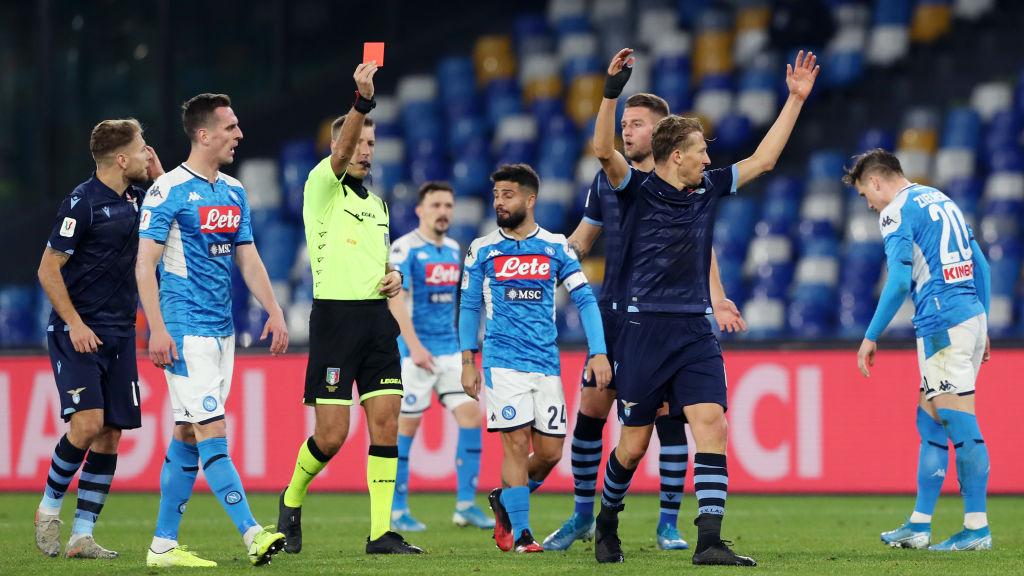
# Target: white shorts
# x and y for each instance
(446, 380)
(519, 399)
(950, 361)
(201, 378)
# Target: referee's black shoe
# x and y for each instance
(289, 523)
(391, 543)
(719, 554)
(607, 546)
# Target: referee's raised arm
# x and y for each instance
(342, 151)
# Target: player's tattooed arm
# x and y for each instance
(83, 339)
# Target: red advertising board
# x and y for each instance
(799, 422)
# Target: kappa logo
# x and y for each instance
(940, 473)
(627, 407)
(76, 395)
(492, 254)
(193, 196)
(233, 196)
(419, 256)
(946, 386)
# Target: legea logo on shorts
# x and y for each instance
(219, 219)
(508, 412)
(530, 267)
(209, 403)
(442, 274)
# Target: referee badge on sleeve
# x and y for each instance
(333, 375)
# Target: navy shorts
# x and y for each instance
(611, 320)
(107, 379)
(666, 358)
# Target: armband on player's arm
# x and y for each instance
(897, 286)
(982, 279)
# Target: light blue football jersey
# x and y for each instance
(199, 224)
(431, 275)
(515, 282)
(927, 230)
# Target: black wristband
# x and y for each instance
(363, 105)
(614, 84)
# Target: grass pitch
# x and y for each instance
(790, 535)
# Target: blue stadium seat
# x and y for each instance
(893, 11)
(674, 87)
(467, 132)
(277, 240)
(550, 115)
(826, 165)
(1007, 159)
(18, 316)
(296, 159)
(456, 78)
(773, 280)
(689, 10)
(428, 168)
(471, 175)
(733, 132)
(965, 192)
(962, 129)
(502, 100)
(876, 138)
(843, 68)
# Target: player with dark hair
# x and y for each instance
(88, 273)
(194, 222)
(665, 349)
(932, 255)
(512, 273)
(601, 214)
(425, 311)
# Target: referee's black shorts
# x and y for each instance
(352, 340)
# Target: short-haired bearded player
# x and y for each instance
(642, 113)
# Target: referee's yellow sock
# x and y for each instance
(308, 464)
(381, 470)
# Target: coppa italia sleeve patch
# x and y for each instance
(67, 228)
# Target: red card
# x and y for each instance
(373, 51)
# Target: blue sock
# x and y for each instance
(971, 457)
(467, 464)
(64, 463)
(534, 485)
(932, 461)
(672, 466)
(93, 487)
(516, 501)
(178, 476)
(586, 460)
(616, 482)
(224, 482)
(711, 483)
(401, 501)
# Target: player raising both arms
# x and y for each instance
(513, 272)
(932, 255)
(642, 113)
(666, 349)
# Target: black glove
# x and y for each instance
(614, 84)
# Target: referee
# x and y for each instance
(352, 334)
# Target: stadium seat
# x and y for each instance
(712, 53)
(262, 181)
(539, 76)
(471, 175)
(972, 9)
(386, 121)
(952, 164)
(493, 59)
(752, 22)
(715, 99)
(766, 318)
(962, 129)
(932, 20)
(656, 23)
(585, 94)
(826, 165)
(515, 139)
(502, 99)
(18, 316)
(887, 44)
(297, 158)
(917, 165)
(389, 164)
(876, 138)
(991, 97)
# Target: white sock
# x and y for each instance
(975, 520)
(460, 506)
(162, 545)
(250, 534)
(45, 511)
(76, 537)
(920, 518)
